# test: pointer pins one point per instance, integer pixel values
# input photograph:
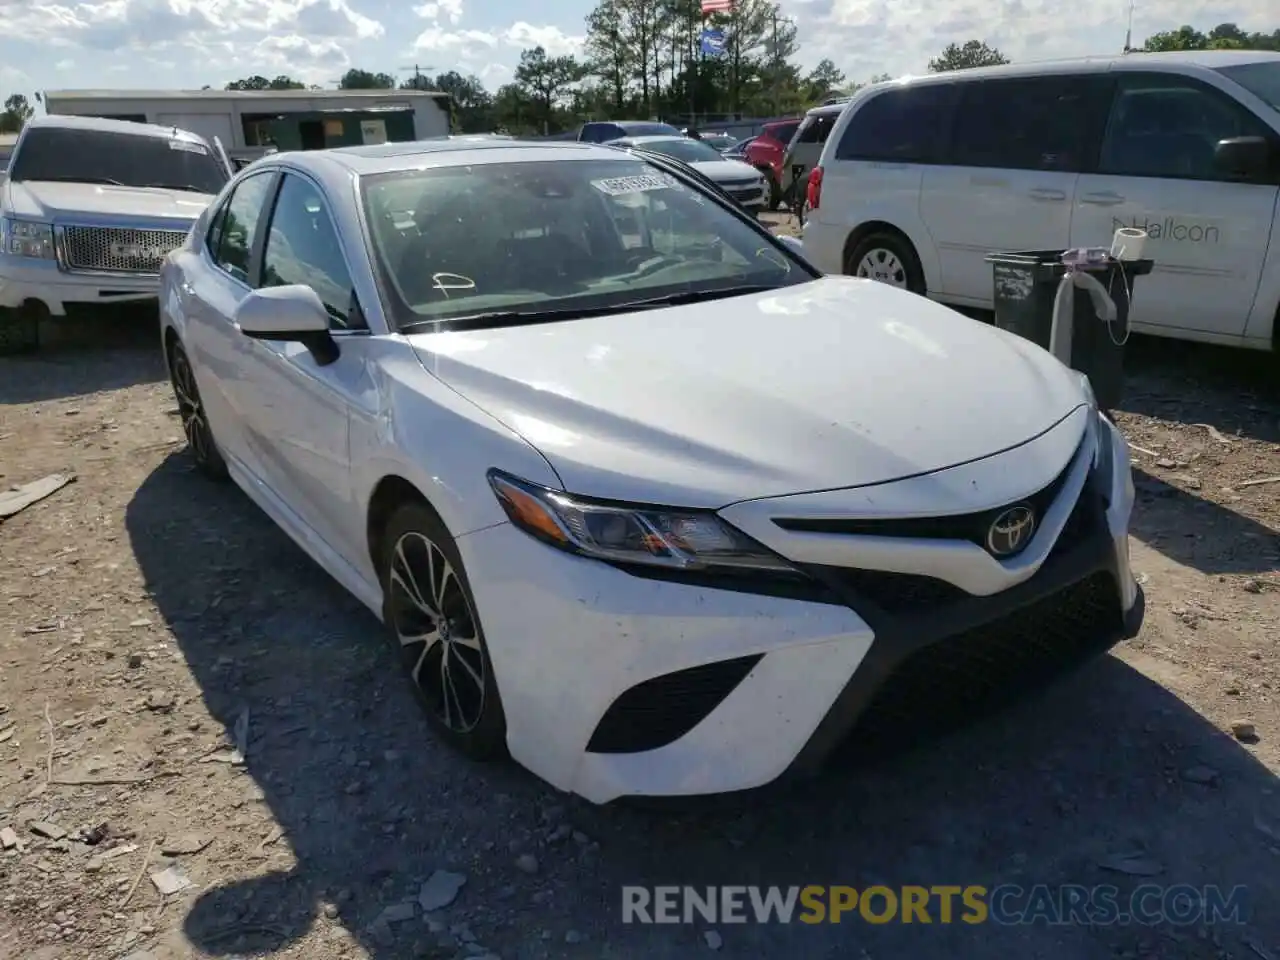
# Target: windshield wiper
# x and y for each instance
(114, 183)
(174, 186)
(518, 318)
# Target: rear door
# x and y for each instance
(1016, 150)
(1207, 230)
(215, 285)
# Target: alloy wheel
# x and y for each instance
(883, 266)
(436, 629)
(190, 409)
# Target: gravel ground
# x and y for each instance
(151, 623)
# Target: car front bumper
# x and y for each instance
(24, 279)
(620, 685)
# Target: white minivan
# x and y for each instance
(922, 178)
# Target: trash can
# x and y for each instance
(1026, 289)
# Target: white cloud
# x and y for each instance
(552, 39)
(450, 10)
(867, 37)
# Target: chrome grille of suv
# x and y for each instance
(118, 249)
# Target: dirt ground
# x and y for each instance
(153, 623)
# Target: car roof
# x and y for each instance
(652, 138)
(60, 121)
(444, 152)
(1138, 60)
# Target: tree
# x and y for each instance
(1225, 36)
(608, 57)
(356, 79)
(262, 83)
(472, 103)
(546, 80)
(17, 111)
(824, 80)
(974, 53)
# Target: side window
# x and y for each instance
(1033, 123)
(783, 132)
(1166, 126)
(817, 128)
(235, 225)
(903, 125)
(303, 247)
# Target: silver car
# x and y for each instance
(741, 181)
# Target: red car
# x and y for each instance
(766, 151)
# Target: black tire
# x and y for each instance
(896, 256)
(418, 550)
(19, 331)
(195, 422)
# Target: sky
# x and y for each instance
(151, 44)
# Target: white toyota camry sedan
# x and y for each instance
(641, 499)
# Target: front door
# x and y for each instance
(301, 409)
(1006, 182)
(1206, 230)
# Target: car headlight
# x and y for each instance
(27, 238)
(675, 539)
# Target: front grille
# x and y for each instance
(966, 675)
(748, 183)
(660, 711)
(966, 526)
(118, 249)
(891, 592)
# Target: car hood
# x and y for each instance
(726, 170)
(835, 383)
(54, 201)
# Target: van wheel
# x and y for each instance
(886, 258)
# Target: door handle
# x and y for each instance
(1044, 193)
(1102, 199)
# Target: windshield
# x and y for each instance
(649, 130)
(690, 151)
(557, 236)
(1260, 79)
(126, 159)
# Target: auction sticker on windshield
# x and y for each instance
(621, 186)
(189, 147)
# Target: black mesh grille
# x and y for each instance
(968, 674)
(892, 592)
(660, 711)
(965, 526)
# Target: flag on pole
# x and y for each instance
(716, 6)
(713, 42)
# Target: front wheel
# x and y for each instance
(886, 258)
(195, 423)
(431, 613)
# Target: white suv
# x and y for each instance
(92, 207)
(922, 178)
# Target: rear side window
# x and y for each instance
(1033, 123)
(902, 125)
(783, 132)
(231, 237)
(817, 128)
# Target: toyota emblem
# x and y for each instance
(1011, 531)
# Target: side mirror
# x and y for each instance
(293, 313)
(1250, 158)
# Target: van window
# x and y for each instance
(1164, 125)
(903, 125)
(1032, 123)
(1260, 79)
(817, 128)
